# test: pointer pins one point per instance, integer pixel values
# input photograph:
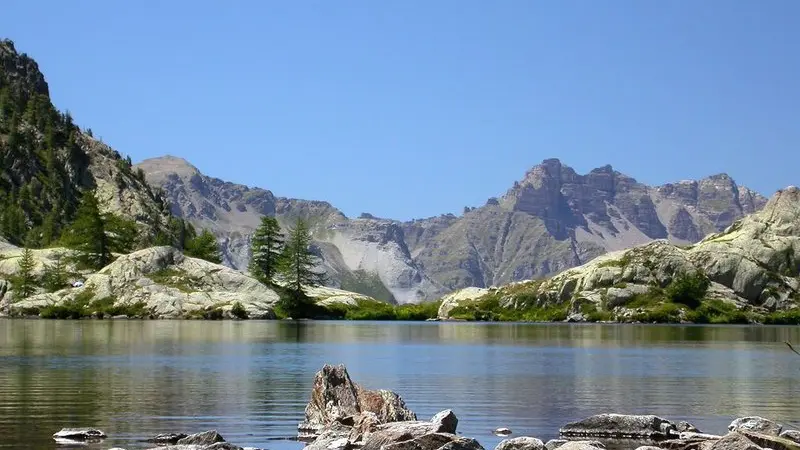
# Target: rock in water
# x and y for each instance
(204, 438)
(79, 434)
(735, 441)
(792, 435)
(446, 421)
(335, 397)
(167, 438)
(620, 426)
(521, 443)
(581, 445)
(757, 424)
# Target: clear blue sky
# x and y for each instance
(413, 108)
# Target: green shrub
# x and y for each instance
(789, 317)
(238, 311)
(717, 312)
(663, 313)
(688, 289)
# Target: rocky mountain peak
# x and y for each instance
(21, 70)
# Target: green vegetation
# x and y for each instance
(298, 270)
(204, 247)
(238, 311)
(85, 305)
(55, 276)
(24, 282)
(622, 262)
(266, 250)
(176, 279)
(688, 289)
(376, 310)
(213, 312)
(368, 284)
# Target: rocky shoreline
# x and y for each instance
(343, 415)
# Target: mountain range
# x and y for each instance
(550, 220)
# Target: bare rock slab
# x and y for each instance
(620, 426)
(521, 443)
(79, 434)
(757, 424)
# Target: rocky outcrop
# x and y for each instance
(335, 398)
(343, 415)
(754, 263)
(756, 424)
(168, 285)
(550, 221)
(621, 426)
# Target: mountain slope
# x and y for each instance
(753, 265)
(555, 219)
(46, 162)
(363, 255)
(551, 220)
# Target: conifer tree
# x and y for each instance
(205, 247)
(25, 282)
(266, 249)
(297, 268)
(55, 275)
(87, 234)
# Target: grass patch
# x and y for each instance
(622, 262)
(175, 279)
(368, 284)
(375, 310)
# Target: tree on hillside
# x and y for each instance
(266, 249)
(87, 234)
(55, 276)
(205, 247)
(25, 282)
(298, 270)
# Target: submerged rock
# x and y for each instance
(620, 426)
(167, 438)
(204, 438)
(79, 434)
(792, 435)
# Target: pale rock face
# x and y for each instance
(551, 220)
(755, 261)
(170, 284)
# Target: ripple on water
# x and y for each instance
(251, 380)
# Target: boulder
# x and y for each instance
(432, 441)
(770, 441)
(446, 421)
(581, 445)
(620, 426)
(167, 438)
(204, 438)
(757, 424)
(79, 434)
(394, 432)
(553, 444)
(792, 435)
(735, 441)
(521, 443)
(462, 443)
(335, 397)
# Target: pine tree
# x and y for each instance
(297, 268)
(87, 234)
(55, 276)
(205, 247)
(25, 282)
(266, 249)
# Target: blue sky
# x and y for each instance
(414, 108)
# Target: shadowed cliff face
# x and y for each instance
(551, 220)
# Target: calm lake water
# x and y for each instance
(251, 380)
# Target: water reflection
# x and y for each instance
(250, 380)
